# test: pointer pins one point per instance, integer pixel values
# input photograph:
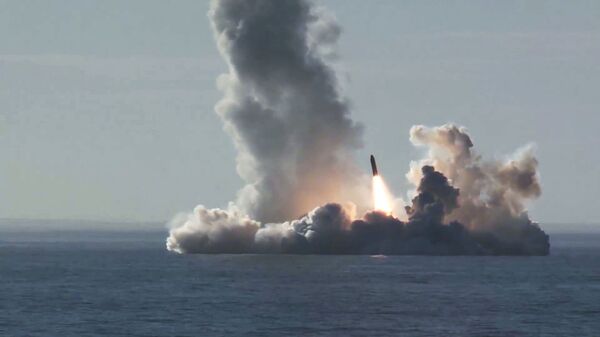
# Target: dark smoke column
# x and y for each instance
(283, 108)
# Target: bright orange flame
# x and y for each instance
(382, 199)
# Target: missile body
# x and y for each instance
(374, 166)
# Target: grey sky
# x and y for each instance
(106, 107)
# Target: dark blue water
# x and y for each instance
(78, 284)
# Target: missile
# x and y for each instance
(374, 166)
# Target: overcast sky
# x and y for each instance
(106, 107)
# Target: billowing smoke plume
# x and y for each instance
(492, 193)
(330, 229)
(282, 107)
(295, 143)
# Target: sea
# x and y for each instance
(115, 283)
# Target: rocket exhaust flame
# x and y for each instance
(382, 198)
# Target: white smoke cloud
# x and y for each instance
(228, 231)
(282, 107)
(212, 231)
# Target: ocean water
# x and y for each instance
(127, 284)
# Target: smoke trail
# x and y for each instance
(282, 107)
(295, 143)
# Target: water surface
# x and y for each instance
(127, 284)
